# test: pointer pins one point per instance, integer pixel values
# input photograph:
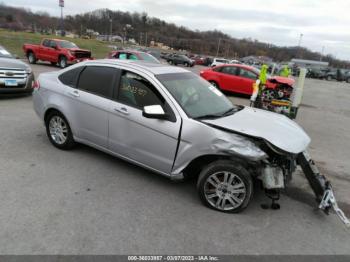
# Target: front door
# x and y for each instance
(150, 142)
(246, 79)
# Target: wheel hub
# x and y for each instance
(225, 190)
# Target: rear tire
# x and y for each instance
(329, 78)
(186, 64)
(170, 62)
(225, 186)
(31, 58)
(58, 131)
(213, 83)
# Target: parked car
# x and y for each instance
(198, 60)
(234, 61)
(240, 78)
(175, 59)
(339, 75)
(15, 75)
(207, 61)
(132, 55)
(56, 51)
(172, 122)
(318, 73)
(219, 61)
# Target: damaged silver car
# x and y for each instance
(173, 122)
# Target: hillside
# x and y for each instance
(178, 37)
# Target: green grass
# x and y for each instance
(13, 42)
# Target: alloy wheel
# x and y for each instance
(58, 130)
(225, 190)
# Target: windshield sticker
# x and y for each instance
(215, 91)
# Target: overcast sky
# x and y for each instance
(322, 22)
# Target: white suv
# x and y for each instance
(219, 61)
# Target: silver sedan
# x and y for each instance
(173, 122)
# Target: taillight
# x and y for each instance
(36, 84)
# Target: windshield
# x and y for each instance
(67, 44)
(197, 97)
(149, 58)
(4, 53)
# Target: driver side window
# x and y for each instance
(136, 91)
(247, 74)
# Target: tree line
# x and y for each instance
(144, 29)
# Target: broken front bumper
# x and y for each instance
(321, 187)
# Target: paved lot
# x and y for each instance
(87, 202)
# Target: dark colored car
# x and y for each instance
(319, 73)
(339, 75)
(176, 59)
(15, 76)
(56, 51)
(132, 55)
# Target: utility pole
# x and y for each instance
(146, 39)
(322, 52)
(61, 5)
(299, 44)
(110, 29)
(217, 51)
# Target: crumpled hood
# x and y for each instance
(76, 49)
(282, 80)
(277, 129)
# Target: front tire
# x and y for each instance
(62, 62)
(186, 64)
(58, 131)
(225, 186)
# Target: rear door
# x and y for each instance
(89, 103)
(229, 80)
(150, 142)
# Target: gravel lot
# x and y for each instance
(87, 202)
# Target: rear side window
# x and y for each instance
(218, 69)
(230, 70)
(70, 77)
(97, 80)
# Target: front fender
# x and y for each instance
(199, 139)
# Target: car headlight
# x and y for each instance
(28, 70)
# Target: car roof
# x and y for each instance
(127, 50)
(153, 68)
(239, 65)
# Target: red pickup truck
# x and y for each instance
(56, 51)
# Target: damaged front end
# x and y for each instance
(277, 170)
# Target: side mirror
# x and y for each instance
(155, 112)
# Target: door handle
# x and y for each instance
(122, 110)
(74, 93)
